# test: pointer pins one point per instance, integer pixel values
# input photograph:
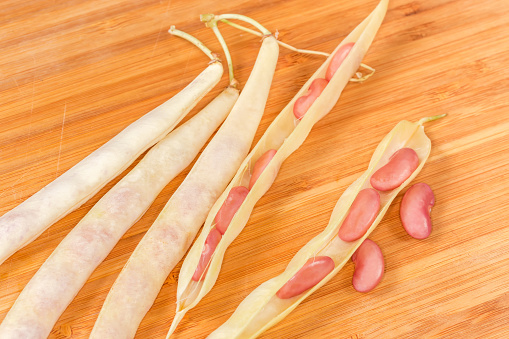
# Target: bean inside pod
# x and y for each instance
(263, 307)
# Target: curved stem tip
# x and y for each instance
(194, 41)
(428, 119)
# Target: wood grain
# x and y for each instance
(75, 73)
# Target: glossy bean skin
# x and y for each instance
(369, 266)
(338, 59)
(400, 167)
(362, 213)
(303, 103)
(415, 210)
(230, 206)
(211, 242)
(260, 165)
(313, 271)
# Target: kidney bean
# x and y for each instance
(400, 167)
(303, 103)
(338, 59)
(369, 266)
(260, 165)
(362, 213)
(313, 271)
(415, 210)
(230, 206)
(211, 242)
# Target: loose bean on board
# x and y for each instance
(415, 210)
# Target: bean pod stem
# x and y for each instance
(283, 44)
(360, 77)
(194, 41)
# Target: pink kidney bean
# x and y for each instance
(211, 242)
(313, 271)
(369, 266)
(230, 206)
(260, 165)
(415, 210)
(338, 59)
(303, 103)
(400, 167)
(362, 213)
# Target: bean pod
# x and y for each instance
(23, 224)
(172, 233)
(285, 135)
(277, 297)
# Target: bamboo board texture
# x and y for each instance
(75, 73)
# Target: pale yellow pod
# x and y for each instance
(64, 273)
(262, 309)
(27, 221)
(170, 236)
(285, 134)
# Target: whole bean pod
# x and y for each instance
(24, 223)
(175, 228)
(63, 274)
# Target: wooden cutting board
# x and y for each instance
(75, 73)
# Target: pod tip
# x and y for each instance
(176, 320)
(432, 118)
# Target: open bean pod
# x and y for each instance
(262, 308)
(285, 134)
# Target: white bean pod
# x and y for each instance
(262, 309)
(172, 233)
(64, 273)
(27, 221)
(285, 134)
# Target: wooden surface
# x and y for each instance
(75, 73)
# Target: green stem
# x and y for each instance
(285, 45)
(211, 18)
(428, 119)
(233, 82)
(194, 41)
